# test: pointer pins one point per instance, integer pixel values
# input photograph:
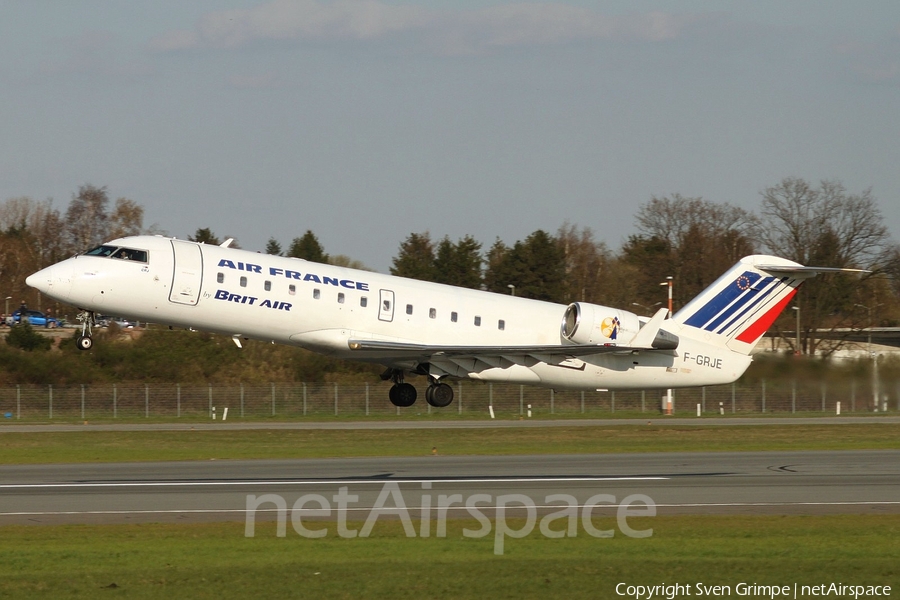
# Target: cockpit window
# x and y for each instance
(101, 251)
(130, 254)
(120, 253)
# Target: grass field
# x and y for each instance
(115, 446)
(217, 561)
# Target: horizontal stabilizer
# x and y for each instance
(799, 270)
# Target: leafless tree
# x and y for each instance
(690, 239)
(87, 221)
(825, 226)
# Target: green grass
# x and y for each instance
(121, 446)
(215, 560)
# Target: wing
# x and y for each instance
(651, 338)
(514, 354)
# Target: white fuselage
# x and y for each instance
(321, 307)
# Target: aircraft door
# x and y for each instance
(385, 305)
(187, 276)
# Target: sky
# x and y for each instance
(365, 121)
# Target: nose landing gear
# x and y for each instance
(85, 341)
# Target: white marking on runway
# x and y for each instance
(133, 484)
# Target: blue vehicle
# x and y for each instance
(35, 317)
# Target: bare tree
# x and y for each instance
(690, 239)
(587, 264)
(824, 226)
(86, 218)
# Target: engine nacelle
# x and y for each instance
(594, 324)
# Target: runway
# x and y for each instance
(439, 424)
(676, 483)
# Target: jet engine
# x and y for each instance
(585, 323)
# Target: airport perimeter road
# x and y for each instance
(482, 424)
(704, 483)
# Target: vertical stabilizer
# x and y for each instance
(742, 304)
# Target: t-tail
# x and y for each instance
(738, 309)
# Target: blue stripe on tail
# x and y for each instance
(734, 297)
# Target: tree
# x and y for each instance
(536, 268)
(416, 258)
(126, 219)
(86, 218)
(204, 235)
(31, 237)
(342, 260)
(690, 239)
(587, 264)
(273, 247)
(308, 248)
(824, 226)
(460, 263)
(25, 337)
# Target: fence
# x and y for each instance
(298, 400)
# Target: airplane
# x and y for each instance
(420, 328)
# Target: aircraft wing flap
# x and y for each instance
(543, 353)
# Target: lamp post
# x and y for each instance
(668, 283)
(875, 383)
(797, 349)
(512, 289)
(649, 309)
(669, 400)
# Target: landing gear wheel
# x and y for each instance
(439, 395)
(403, 395)
(84, 342)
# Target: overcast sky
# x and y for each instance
(366, 121)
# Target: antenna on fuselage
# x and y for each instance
(226, 243)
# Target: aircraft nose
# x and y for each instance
(40, 280)
(51, 281)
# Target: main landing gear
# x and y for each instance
(85, 341)
(403, 395)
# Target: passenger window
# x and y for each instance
(501, 324)
(363, 301)
(220, 277)
(292, 289)
(409, 309)
(386, 305)
(432, 313)
(243, 282)
(316, 294)
(268, 286)
(477, 321)
(453, 317)
(340, 297)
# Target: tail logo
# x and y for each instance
(738, 301)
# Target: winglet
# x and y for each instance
(650, 336)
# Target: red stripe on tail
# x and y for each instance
(755, 331)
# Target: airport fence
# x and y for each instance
(472, 399)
